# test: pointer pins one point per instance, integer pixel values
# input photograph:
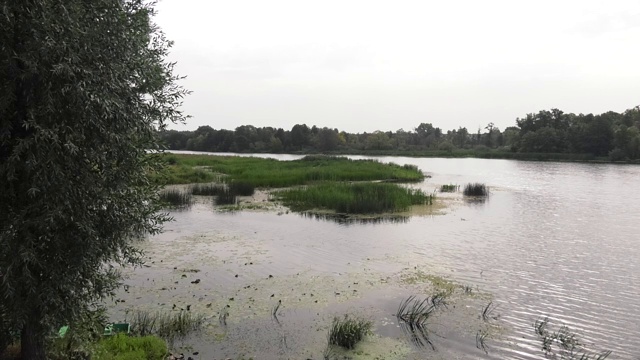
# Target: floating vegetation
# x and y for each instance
(487, 312)
(209, 189)
(169, 326)
(476, 189)
(347, 332)
(564, 343)
(175, 198)
(449, 188)
(360, 198)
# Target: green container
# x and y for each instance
(116, 328)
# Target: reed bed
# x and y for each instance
(169, 326)
(271, 173)
(449, 188)
(347, 331)
(241, 188)
(174, 198)
(360, 198)
(209, 189)
(226, 197)
(475, 189)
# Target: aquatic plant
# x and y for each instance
(359, 198)
(226, 197)
(449, 188)
(175, 198)
(488, 310)
(481, 337)
(270, 173)
(347, 331)
(241, 188)
(475, 189)
(209, 189)
(169, 326)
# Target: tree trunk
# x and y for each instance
(32, 340)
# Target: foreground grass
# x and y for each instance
(347, 332)
(123, 347)
(271, 173)
(361, 198)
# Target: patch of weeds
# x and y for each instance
(481, 338)
(449, 188)
(475, 189)
(123, 347)
(413, 314)
(347, 332)
(175, 198)
(169, 326)
(487, 312)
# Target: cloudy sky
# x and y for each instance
(385, 65)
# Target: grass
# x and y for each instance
(487, 312)
(271, 173)
(169, 326)
(360, 198)
(413, 314)
(122, 347)
(449, 188)
(226, 197)
(347, 332)
(174, 198)
(241, 188)
(475, 189)
(481, 338)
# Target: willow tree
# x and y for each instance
(84, 87)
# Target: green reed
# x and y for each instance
(359, 198)
(347, 331)
(209, 189)
(476, 189)
(175, 198)
(449, 188)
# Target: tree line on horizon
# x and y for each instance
(611, 134)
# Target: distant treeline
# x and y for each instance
(612, 135)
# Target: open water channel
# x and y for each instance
(556, 240)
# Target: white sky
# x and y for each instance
(384, 65)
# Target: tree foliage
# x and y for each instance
(548, 131)
(84, 88)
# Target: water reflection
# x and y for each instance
(345, 219)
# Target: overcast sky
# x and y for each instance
(385, 65)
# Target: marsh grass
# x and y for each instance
(449, 188)
(481, 339)
(175, 198)
(241, 188)
(209, 189)
(271, 173)
(347, 331)
(122, 347)
(566, 341)
(169, 326)
(226, 197)
(475, 189)
(359, 198)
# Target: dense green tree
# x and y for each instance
(84, 87)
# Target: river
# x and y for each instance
(556, 240)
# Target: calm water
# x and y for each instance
(553, 239)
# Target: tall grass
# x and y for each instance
(241, 188)
(174, 198)
(361, 198)
(122, 347)
(347, 332)
(226, 197)
(169, 326)
(270, 173)
(475, 189)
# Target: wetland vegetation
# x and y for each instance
(475, 189)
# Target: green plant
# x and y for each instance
(567, 342)
(123, 347)
(475, 189)
(225, 197)
(359, 198)
(487, 311)
(241, 188)
(449, 188)
(169, 326)
(347, 331)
